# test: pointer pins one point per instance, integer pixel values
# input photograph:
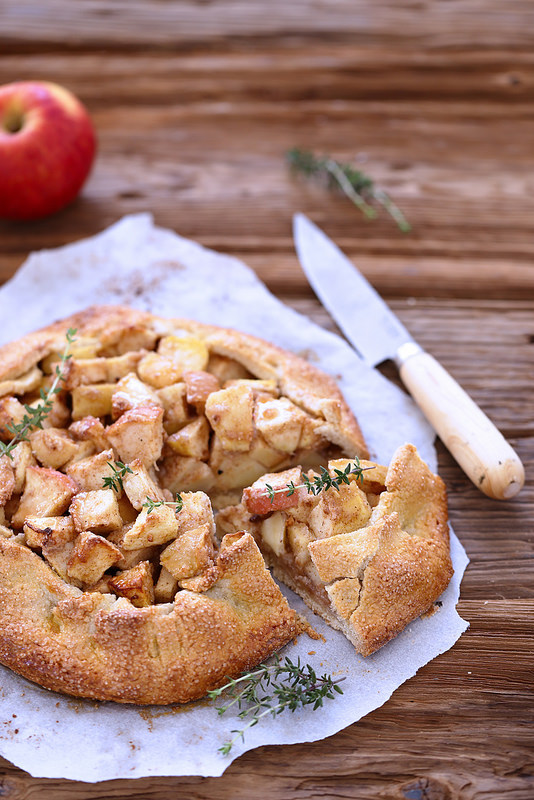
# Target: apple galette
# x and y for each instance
(121, 432)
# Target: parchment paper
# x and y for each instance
(138, 264)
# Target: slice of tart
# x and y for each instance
(369, 554)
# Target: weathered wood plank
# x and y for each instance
(272, 71)
(489, 23)
(198, 166)
(415, 275)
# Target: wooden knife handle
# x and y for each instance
(474, 441)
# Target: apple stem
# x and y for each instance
(13, 122)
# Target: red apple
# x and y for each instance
(47, 147)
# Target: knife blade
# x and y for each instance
(377, 334)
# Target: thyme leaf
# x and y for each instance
(150, 504)
(357, 186)
(119, 471)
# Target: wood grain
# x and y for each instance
(487, 22)
(192, 149)
(196, 103)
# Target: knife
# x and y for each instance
(377, 334)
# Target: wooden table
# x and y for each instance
(195, 103)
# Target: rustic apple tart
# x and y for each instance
(365, 546)
(121, 432)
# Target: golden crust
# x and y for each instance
(223, 620)
(302, 383)
(93, 645)
(394, 578)
(401, 560)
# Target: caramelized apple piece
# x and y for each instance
(23, 383)
(181, 473)
(38, 530)
(78, 372)
(11, 413)
(258, 499)
(273, 531)
(190, 554)
(53, 447)
(90, 473)
(47, 493)
(139, 486)
(340, 511)
(199, 385)
(92, 400)
(21, 459)
(90, 557)
(129, 393)
(174, 401)
(96, 510)
(7, 480)
(130, 558)
(187, 351)
(166, 587)
(90, 429)
(192, 440)
(152, 527)
(280, 422)
(136, 584)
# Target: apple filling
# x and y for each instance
(140, 417)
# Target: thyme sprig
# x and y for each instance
(119, 471)
(36, 415)
(356, 185)
(322, 482)
(151, 504)
(271, 689)
(115, 482)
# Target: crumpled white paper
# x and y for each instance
(137, 264)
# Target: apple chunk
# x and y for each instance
(192, 440)
(7, 480)
(230, 414)
(152, 527)
(199, 386)
(190, 554)
(136, 584)
(53, 447)
(90, 473)
(97, 510)
(138, 434)
(47, 493)
(139, 486)
(90, 557)
(129, 393)
(259, 500)
(39, 530)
